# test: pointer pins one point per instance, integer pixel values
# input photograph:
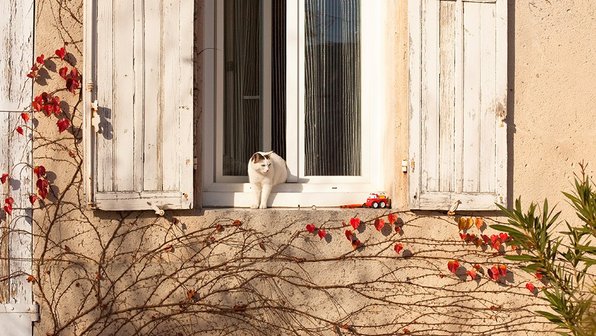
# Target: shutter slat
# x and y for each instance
(169, 91)
(149, 95)
(139, 104)
(501, 99)
(152, 164)
(457, 140)
(124, 89)
(472, 70)
(488, 120)
(104, 61)
(430, 90)
(447, 98)
(185, 98)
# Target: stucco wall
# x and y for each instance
(291, 280)
(552, 95)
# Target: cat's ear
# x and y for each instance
(266, 154)
(256, 157)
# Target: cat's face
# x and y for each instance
(261, 163)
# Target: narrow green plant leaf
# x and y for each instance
(523, 257)
(551, 317)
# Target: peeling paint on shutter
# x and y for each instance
(17, 310)
(140, 73)
(458, 97)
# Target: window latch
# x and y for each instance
(158, 210)
(95, 119)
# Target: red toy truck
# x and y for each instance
(376, 201)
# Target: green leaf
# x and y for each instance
(550, 316)
(523, 257)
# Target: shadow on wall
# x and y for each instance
(510, 100)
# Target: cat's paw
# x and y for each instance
(254, 206)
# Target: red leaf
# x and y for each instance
(493, 273)
(479, 222)
(72, 84)
(43, 192)
(398, 247)
(25, 116)
(31, 279)
(9, 201)
(310, 228)
(503, 236)
(63, 124)
(502, 270)
(530, 286)
(472, 273)
(237, 222)
(32, 198)
(61, 53)
(4, 178)
(495, 242)
(392, 218)
(19, 130)
(453, 265)
(8, 209)
(36, 106)
(356, 244)
(379, 224)
(42, 187)
(462, 236)
(40, 59)
(477, 266)
(39, 171)
(322, 234)
(539, 275)
(355, 222)
(63, 72)
(349, 235)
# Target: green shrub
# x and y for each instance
(563, 260)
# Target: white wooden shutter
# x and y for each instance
(17, 309)
(140, 71)
(458, 99)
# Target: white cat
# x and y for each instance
(265, 170)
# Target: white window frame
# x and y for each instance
(303, 190)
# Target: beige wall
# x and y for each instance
(552, 94)
(290, 278)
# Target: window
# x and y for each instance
(298, 77)
(309, 79)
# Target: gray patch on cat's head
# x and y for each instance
(258, 156)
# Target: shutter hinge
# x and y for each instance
(35, 314)
(412, 165)
(195, 163)
(95, 119)
(404, 166)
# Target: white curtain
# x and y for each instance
(332, 106)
